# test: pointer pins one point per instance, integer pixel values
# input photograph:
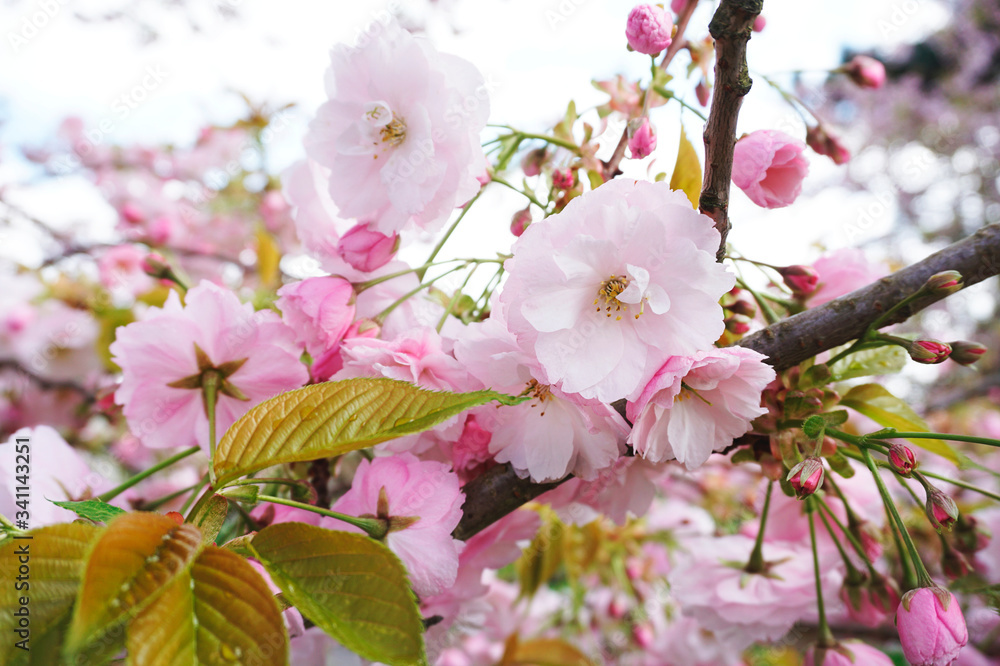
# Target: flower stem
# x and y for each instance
(117, 490)
(455, 297)
(374, 527)
(756, 562)
(825, 635)
(923, 578)
(381, 316)
(531, 197)
(936, 435)
(447, 234)
(210, 388)
(858, 548)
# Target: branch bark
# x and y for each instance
(731, 28)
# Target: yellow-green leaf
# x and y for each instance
(131, 562)
(268, 258)
(540, 560)
(219, 612)
(94, 509)
(55, 557)
(542, 652)
(885, 360)
(351, 586)
(210, 518)
(687, 171)
(875, 402)
(329, 419)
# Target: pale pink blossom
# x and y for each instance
(366, 249)
(60, 343)
(695, 405)
(160, 349)
(320, 310)
(57, 472)
(841, 272)
(769, 167)
(711, 586)
(931, 627)
(649, 29)
(850, 653)
(400, 132)
(120, 269)
(554, 433)
(413, 489)
(416, 357)
(605, 291)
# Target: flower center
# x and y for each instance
(394, 133)
(539, 392)
(610, 290)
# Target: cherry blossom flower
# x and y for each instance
(841, 272)
(931, 627)
(549, 436)
(850, 653)
(416, 357)
(58, 472)
(120, 269)
(649, 29)
(698, 404)
(423, 503)
(320, 310)
(642, 141)
(400, 132)
(58, 342)
(164, 355)
(605, 291)
(769, 167)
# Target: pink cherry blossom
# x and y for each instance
(58, 472)
(121, 269)
(413, 488)
(769, 167)
(649, 29)
(400, 132)
(605, 291)
(554, 433)
(320, 310)
(416, 357)
(365, 249)
(865, 71)
(851, 653)
(642, 142)
(160, 349)
(58, 342)
(841, 272)
(931, 627)
(698, 404)
(711, 586)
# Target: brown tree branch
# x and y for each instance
(730, 27)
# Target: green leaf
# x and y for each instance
(885, 360)
(210, 518)
(56, 558)
(131, 562)
(687, 171)
(875, 402)
(96, 510)
(325, 420)
(351, 586)
(219, 612)
(542, 652)
(564, 130)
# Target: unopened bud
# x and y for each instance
(941, 509)
(641, 138)
(865, 71)
(649, 29)
(953, 563)
(944, 283)
(970, 536)
(802, 280)
(738, 324)
(520, 221)
(901, 458)
(702, 92)
(532, 163)
(966, 353)
(806, 477)
(563, 179)
(824, 143)
(742, 307)
(759, 23)
(928, 351)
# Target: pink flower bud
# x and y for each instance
(132, 214)
(941, 509)
(532, 163)
(806, 477)
(802, 280)
(520, 221)
(155, 265)
(848, 653)
(928, 351)
(865, 71)
(701, 91)
(563, 179)
(953, 563)
(743, 307)
(944, 283)
(738, 324)
(769, 167)
(677, 6)
(759, 23)
(901, 458)
(643, 635)
(365, 249)
(970, 536)
(931, 627)
(649, 29)
(824, 143)
(966, 353)
(642, 139)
